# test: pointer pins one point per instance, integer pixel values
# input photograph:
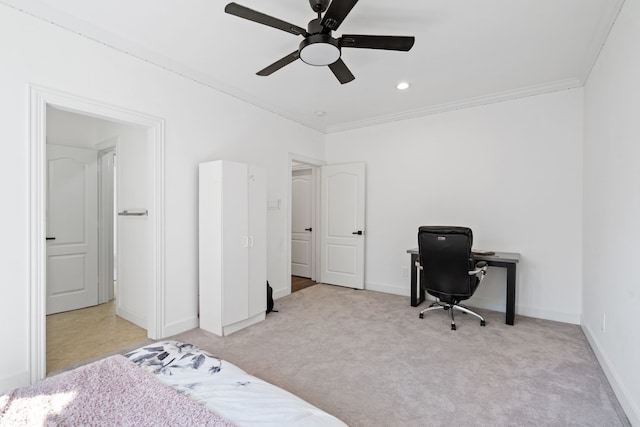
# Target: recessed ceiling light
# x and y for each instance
(320, 113)
(402, 86)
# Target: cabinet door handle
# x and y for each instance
(359, 232)
(251, 241)
(51, 238)
(245, 241)
(308, 229)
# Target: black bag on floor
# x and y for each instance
(270, 298)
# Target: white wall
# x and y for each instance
(511, 171)
(201, 124)
(612, 209)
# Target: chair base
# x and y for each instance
(450, 307)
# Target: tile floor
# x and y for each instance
(79, 335)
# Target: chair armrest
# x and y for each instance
(481, 268)
(480, 271)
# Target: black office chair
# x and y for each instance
(447, 268)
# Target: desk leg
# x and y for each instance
(511, 293)
(417, 295)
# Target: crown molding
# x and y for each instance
(599, 39)
(112, 41)
(492, 98)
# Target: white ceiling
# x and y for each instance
(467, 52)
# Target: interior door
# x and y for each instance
(132, 228)
(342, 225)
(301, 223)
(72, 228)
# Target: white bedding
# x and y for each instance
(227, 390)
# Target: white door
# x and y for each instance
(133, 260)
(235, 243)
(301, 223)
(342, 225)
(257, 193)
(72, 228)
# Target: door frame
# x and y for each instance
(39, 98)
(315, 165)
(313, 176)
(106, 218)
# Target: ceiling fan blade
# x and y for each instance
(279, 64)
(261, 18)
(338, 10)
(341, 71)
(377, 42)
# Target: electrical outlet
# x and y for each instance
(405, 271)
(604, 323)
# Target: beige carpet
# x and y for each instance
(368, 359)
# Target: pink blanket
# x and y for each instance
(109, 392)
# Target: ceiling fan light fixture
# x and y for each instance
(319, 49)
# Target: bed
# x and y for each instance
(165, 383)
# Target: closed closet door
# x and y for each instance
(257, 190)
(235, 242)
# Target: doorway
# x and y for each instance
(343, 234)
(303, 214)
(40, 100)
(81, 233)
(303, 224)
(338, 208)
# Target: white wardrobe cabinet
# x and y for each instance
(232, 246)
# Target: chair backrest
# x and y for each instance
(446, 258)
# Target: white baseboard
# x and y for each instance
(538, 313)
(132, 317)
(525, 310)
(14, 381)
(630, 407)
(388, 289)
(180, 326)
(279, 293)
(487, 304)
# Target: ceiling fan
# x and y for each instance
(319, 47)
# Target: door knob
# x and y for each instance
(359, 232)
(308, 229)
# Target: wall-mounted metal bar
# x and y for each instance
(134, 212)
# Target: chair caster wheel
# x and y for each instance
(453, 327)
(482, 323)
(421, 315)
